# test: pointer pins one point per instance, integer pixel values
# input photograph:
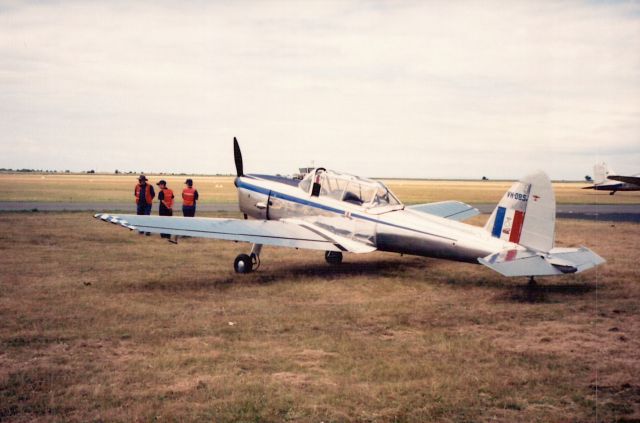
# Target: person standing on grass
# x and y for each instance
(165, 196)
(189, 198)
(145, 194)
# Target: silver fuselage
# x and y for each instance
(392, 228)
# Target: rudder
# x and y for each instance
(526, 214)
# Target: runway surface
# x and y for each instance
(608, 212)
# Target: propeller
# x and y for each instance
(237, 155)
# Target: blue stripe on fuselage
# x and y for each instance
(287, 197)
(275, 194)
(610, 187)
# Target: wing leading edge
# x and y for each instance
(628, 179)
(268, 232)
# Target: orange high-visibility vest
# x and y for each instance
(188, 196)
(147, 194)
(168, 198)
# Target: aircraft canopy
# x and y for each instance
(353, 189)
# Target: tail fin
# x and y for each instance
(526, 215)
(601, 174)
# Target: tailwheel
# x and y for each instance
(243, 264)
(333, 257)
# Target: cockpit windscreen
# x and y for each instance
(351, 189)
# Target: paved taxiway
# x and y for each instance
(609, 212)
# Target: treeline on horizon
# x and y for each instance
(116, 172)
(587, 178)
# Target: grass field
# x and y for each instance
(100, 324)
(214, 189)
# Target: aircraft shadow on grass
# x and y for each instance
(294, 274)
(545, 293)
(416, 270)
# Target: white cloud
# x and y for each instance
(430, 89)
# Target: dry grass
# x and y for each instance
(99, 323)
(111, 188)
(220, 189)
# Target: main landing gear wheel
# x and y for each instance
(248, 263)
(243, 264)
(333, 257)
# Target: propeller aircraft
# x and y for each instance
(337, 212)
(607, 180)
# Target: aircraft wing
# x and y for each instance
(628, 179)
(291, 234)
(455, 210)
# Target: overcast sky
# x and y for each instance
(378, 88)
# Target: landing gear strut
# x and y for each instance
(333, 257)
(247, 263)
(532, 282)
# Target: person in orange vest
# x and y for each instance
(189, 198)
(165, 196)
(144, 194)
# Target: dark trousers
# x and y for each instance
(188, 211)
(143, 209)
(165, 212)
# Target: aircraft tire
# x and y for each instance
(243, 264)
(333, 257)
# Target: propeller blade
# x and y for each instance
(237, 155)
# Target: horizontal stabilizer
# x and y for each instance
(557, 261)
(454, 210)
